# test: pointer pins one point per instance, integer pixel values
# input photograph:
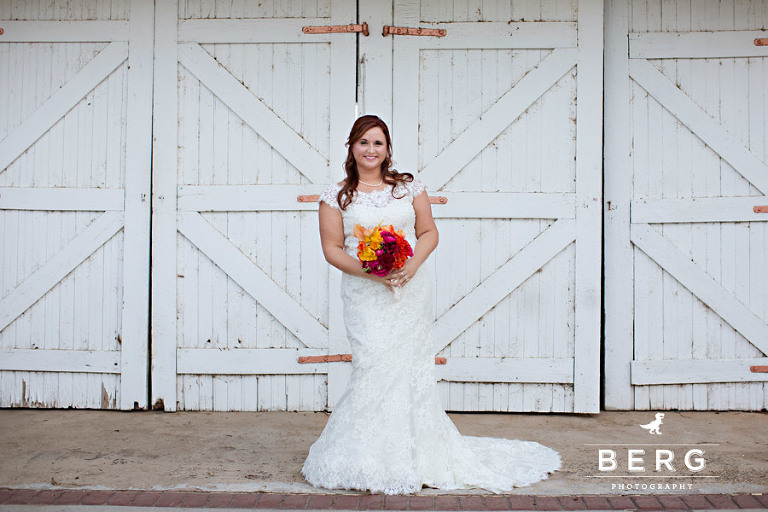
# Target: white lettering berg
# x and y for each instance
(607, 460)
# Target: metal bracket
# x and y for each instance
(330, 29)
(760, 209)
(409, 31)
(761, 41)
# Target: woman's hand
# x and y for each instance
(385, 280)
(400, 277)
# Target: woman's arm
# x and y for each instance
(427, 238)
(332, 241)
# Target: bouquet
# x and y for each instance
(381, 249)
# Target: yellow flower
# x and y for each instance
(374, 240)
(367, 254)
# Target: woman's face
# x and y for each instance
(370, 150)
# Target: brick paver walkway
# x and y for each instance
(380, 502)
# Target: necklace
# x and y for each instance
(371, 184)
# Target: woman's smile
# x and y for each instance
(369, 151)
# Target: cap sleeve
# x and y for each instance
(329, 196)
(415, 187)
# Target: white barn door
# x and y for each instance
(75, 140)
(686, 175)
(250, 112)
(502, 116)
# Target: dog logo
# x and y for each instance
(653, 427)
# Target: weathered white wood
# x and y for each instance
(705, 127)
(345, 85)
(376, 60)
(73, 361)
(589, 208)
(136, 231)
(698, 209)
(58, 266)
(232, 198)
(509, 205)
(253, 280)
(61, 102)
(677, 371)
(61, 199)
(164, 233)
(709, 291)
(617, 259)
(254, 112)
(502, 282)
(248, 361)
(492, 369)
(454, 157)
(271, 31)
(501, 35)
(63, 31)
(696, 45)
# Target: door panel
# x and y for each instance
(74, 182)
(260, 108)
(698, 167)
(500, 117)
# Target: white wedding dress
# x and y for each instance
(388, 432)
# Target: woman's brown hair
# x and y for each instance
(390, 176)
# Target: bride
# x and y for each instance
(388, 432)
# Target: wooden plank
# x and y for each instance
(61, 199)
(56, 268)
(271, 361)
(697, 209)
(254, 112)
(589, 144)
(696, 45)
(91, 31)
(61, 102)
(507, 205)
(136, 231)
(70, 361)
(678, 371)
(249, 31)
(508, 108)
(618, 261)
(493, 369)
(501, 35)
(253, 280)
(453, 205)
(502, 282)
(709, 291)
(405, 103)
(244, 198)
(702, 124)
(164, 237)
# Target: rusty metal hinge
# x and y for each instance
(761, 41)
(760, 209)
(409, 31)
(329, 29)
(758, 369)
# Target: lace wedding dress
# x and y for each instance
(388, 432)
